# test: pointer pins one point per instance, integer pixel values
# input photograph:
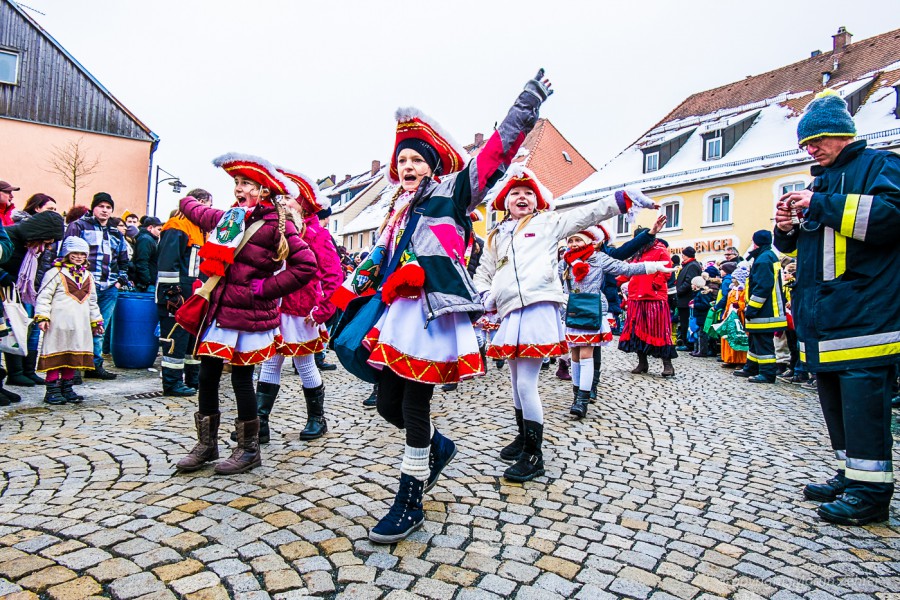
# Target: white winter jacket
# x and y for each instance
(521, 269)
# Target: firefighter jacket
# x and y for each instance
(764, 293)
(848, 263)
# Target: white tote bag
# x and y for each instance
(17, 322)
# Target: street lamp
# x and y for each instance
(173, 180)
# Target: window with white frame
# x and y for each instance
(334, 226)
(794, 186)
(672, 210)
(622, 225)
(362, 240)
(714, 148)
(345, 196)
(718, 209)
(373, 237)
(651, 162)
(9, 67)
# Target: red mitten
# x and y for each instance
(405, 281)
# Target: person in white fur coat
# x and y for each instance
(518, 277)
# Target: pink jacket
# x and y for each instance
(315, 296)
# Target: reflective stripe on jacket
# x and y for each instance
(765, 299)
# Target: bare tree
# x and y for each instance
(74, 165)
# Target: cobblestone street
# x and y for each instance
(684, 488)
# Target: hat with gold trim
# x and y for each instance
(258, 170)
(310, 198)
(420, 132)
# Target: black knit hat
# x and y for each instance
(425, 149)
(763, 237)
(689, 251)
(102, 197)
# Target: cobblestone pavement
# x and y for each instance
(685, 488)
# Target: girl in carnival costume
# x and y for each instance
(243, 316)
(519, 275)
(303, 314)
(67, 312)
(584, 270)
(425, 335)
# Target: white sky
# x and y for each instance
(314, 85)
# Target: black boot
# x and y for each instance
(580, 406)
(29, 363)
(510, 453)
(531, 461)
(828, 491)
(596, 380)
(853, 510)
(98, 372)
(316, 426)
(372, 400)
(66, 388)
(53, 394)
(321, 364)
(192, 375)
(643, 366)
(173, 385)
(14, 375)
(7, 397)
(266, 393)
(406, 514)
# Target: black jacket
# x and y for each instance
(848, 263)
(42, 226)
(144, 260)
(178, 265)
(683, 289)
(764, 311)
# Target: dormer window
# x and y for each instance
(9, 67)
(713, 148)
(660, 149)
(651, 162)
(566, 156)
(345, 196)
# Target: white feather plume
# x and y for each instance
(230, 157)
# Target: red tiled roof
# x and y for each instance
(855, 60)
(545, 146)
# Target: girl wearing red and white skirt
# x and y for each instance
(584, 271)
(302, 333)
(519, 274)
(243, 317)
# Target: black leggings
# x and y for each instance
(406, 404)
(241, 382)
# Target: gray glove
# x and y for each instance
(539, 86)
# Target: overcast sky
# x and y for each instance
(314, 85)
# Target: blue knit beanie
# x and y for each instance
(825, 116)
(763, 237)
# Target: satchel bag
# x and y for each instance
(191, 315)
(17, 321)
(584, 311)
(362, 314)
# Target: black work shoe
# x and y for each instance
(99, 373)
(826, 492)
(850, 510)
(325, 366)
(449, 387)
(760, 379)
(742, 373)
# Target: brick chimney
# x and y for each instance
(479, 139)
(841, 39)
(376, 166)
(346, 178)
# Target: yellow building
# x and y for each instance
(720, 160)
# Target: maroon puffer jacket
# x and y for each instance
(233, 305)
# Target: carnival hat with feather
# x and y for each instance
(593, 235)
(311, 198)
(258, 170)
(414, 125)
(520, 175)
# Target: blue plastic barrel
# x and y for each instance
(135, 344)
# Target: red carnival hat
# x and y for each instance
(592, 235)
(310, 198)
(259, 170)
(475, 216)
(414, 124)
(518, 175)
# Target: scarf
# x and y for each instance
(78, 272)
(218, 251)
(577, 260)
(27, 273)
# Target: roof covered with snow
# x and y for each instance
(372, 216)
(865, 74)
(356, 185)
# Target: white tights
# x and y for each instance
(306, 366)
(524, 373)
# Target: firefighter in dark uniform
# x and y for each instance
(764, 313)
(846, 233)
(178, 272)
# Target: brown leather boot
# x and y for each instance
(246, 454)
(643, 366)
(207, 447)
(668, 369)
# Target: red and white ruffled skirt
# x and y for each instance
(531, 332)
(584, 337)
(300, 337)
(239, 348)
(446, 351)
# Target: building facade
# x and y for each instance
(51, 105)
(720, 160)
